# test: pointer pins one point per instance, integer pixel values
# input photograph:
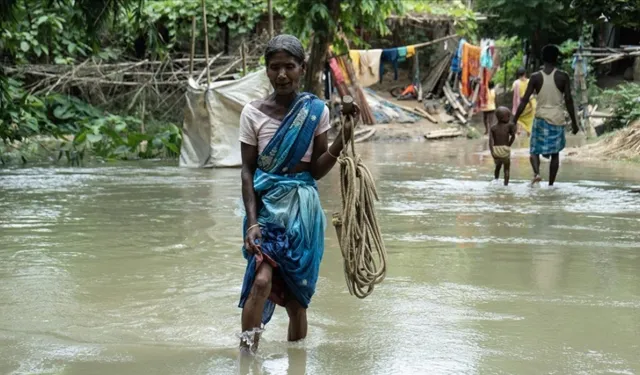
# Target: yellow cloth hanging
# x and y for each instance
(354, 55)
(343, 68)
(411, 51)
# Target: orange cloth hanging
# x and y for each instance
(470, 66)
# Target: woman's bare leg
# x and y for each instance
(297, 321)
(253, 306)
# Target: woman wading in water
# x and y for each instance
(284, 151)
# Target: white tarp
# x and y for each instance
(212, 118)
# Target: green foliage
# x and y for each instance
(619, 12)
(48, 32)
(306, 16)
(175, 17)
(104, 135)
(512, 58)
(625, 101)
(93, 13)
(21, 114)
(114, 137)
(539, 21)
(466, 24)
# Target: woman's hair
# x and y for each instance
(491, 84)
(285, 43)
(520, 72)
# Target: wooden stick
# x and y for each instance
(270, 9)
(244, 58)
(206, 40)
(419, 45)
(207, 69)
(460, 117)
(426, 114)
(193, 44)
(451, 97)
(412, 111)
(229, 67)
(473, 102)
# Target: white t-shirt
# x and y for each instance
(257, 129)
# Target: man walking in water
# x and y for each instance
(553, 89)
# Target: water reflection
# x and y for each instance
(136, 268)
(294, 363)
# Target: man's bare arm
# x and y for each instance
(568, 100)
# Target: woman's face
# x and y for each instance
(284, 73)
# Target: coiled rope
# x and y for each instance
(363, 251)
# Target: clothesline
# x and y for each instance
(425, 44)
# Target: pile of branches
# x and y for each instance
(606, 55)
(156, 87)
(623, 144)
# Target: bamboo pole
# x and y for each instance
(206, 40)
(270, 7)
(193, 44)
(243, 54)
(419, 45)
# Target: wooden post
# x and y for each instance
(506, 70)
(416, 63)
(243, 53)
(270, 7)
(193, 44)
(473, 102)
(581, 84)
(206, 40)
(144, 104)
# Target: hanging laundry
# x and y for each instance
(402, 54)
(369, 67)
(486, 71)
(470, 66)
(390, 55)
(345, 72)
(496, 59)
(411, 51)
(354, 55)
(456, 61)
(486, 57)
(483, 94)
(338, 77)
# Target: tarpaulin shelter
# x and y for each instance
(212, 118)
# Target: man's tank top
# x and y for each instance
(550, 101)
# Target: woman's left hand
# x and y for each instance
(347, 127)
(347, 130)
(354, 111)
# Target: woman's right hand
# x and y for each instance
(253, 240)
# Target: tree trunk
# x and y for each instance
(322, 38)
(270, 10)
(226, 39)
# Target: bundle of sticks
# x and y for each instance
(355, 90)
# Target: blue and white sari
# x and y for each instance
(289, 211)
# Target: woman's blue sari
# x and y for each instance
(289, 210)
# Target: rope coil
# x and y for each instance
(363, 251)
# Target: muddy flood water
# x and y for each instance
(135, 268)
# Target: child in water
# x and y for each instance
(501, 138)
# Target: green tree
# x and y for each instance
(538, 21)
(619, 12)
(322, 20)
